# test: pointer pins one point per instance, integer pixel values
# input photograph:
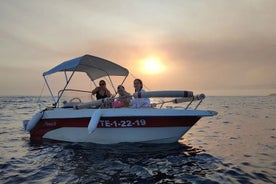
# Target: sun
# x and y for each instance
(152, 65)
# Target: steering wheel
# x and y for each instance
(76, 98)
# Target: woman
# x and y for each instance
(101, 91)
(139, 102)
(123, 100)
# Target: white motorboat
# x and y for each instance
(79, 121)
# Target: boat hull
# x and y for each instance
(117, 135)
(116, 125)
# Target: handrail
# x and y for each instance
(176, 100)
(192, 99)
(72, 90)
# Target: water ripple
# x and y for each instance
(237, 146)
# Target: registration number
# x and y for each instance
(122, 123)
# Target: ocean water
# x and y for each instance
(236, 146)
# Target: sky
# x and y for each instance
(216, 47)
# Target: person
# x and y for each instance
(123, 100)
(101, 91)
(139, 102)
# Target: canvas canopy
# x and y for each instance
(94, 67)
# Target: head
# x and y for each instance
(121, 90)
(138, 85)
(102, 83)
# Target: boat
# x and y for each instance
(78, 121)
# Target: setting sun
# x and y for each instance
(152, 65)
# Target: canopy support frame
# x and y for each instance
(56, 101)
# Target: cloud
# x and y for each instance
(205, 44)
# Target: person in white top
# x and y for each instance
(139, 102)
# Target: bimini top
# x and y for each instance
(94, 67)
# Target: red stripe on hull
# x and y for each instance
(46, 125)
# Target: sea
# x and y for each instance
(236, 146)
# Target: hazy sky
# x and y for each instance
(218, 47)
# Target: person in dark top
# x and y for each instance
(101, 91)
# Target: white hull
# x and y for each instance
(117, 135)
(116, 125)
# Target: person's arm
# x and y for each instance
(128, 96)
(94, 91)
(108, 93)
